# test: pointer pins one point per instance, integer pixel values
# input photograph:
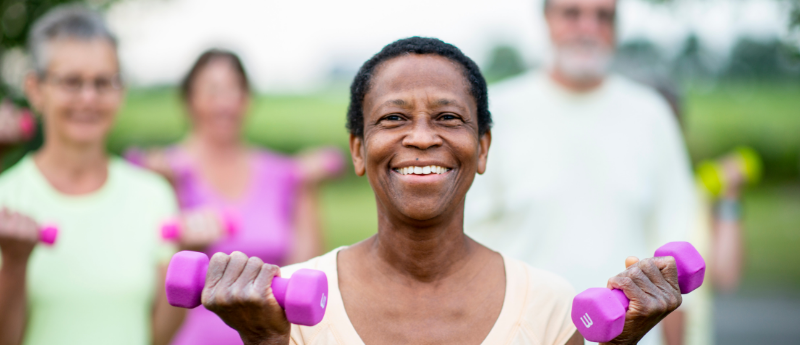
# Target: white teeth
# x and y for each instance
(426, 170)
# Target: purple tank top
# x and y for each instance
(266, 227)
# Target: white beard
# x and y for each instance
(583, 60)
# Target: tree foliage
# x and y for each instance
(16, 18)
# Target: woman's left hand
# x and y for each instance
(651, 285)
(321, 164)
(200, 229)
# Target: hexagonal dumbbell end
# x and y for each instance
(230, 220)
(304, 296)
(599, 313)
(186, 277)
(48, 234)
(691, 266)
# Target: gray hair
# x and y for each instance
(65, 22)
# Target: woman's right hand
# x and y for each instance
(199, 229)
(239, 291)
(19, 234)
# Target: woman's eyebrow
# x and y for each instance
(397, 102)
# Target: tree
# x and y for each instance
(16, 18)
(504, 61)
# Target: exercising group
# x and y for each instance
(420, 130)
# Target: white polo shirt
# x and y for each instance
(575, 183)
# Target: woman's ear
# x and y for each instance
(357, 154)
(483, 145)
(33, 91)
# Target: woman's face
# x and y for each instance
(419, 113)
(218, 101)
(80, 92)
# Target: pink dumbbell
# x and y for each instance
(303, 297)
(333, 160)
(48, 234)
(599, 313)
(135, 156)
(171, 229)
(27, 125)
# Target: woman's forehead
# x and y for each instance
(412, 73)
(82, 56)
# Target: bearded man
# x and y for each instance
(587, 167)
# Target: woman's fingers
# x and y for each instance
(236, 290)
(630, 261)
(235, 267)
(651, 286)
(243, 286)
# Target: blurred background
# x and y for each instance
(734, 65)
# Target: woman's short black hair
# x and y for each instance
(204, 60)
(421, 46)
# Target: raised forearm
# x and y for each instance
(12, 301)
(308, 229)
(727, 254)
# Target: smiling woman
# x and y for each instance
(98, 283)
(419, 131)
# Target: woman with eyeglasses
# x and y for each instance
(99, 282)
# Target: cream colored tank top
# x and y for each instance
(536, 309)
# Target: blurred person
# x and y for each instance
(420, 131)
(214, 169)
(102, 281)
(587, 166)
(717, 234)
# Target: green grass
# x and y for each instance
(766, 117)
(772, 236)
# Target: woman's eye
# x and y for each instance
(448, 117)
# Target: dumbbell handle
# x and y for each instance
(48, 234)
(171, 229)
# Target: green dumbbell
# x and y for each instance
(711, 174)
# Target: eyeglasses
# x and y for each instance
(74, 84)
(574, 14)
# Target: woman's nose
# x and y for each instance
(423, 135)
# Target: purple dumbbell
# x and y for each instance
(135, 156)
(48, 234)
(599, 313)
(333, 160)
(303, 297)
(27, 125)
(171, 229)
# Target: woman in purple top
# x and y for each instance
(213, 169)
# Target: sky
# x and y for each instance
(293, 46)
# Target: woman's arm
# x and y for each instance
(727, 243)
(18, 236)
(307, 225)
(166, 318)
